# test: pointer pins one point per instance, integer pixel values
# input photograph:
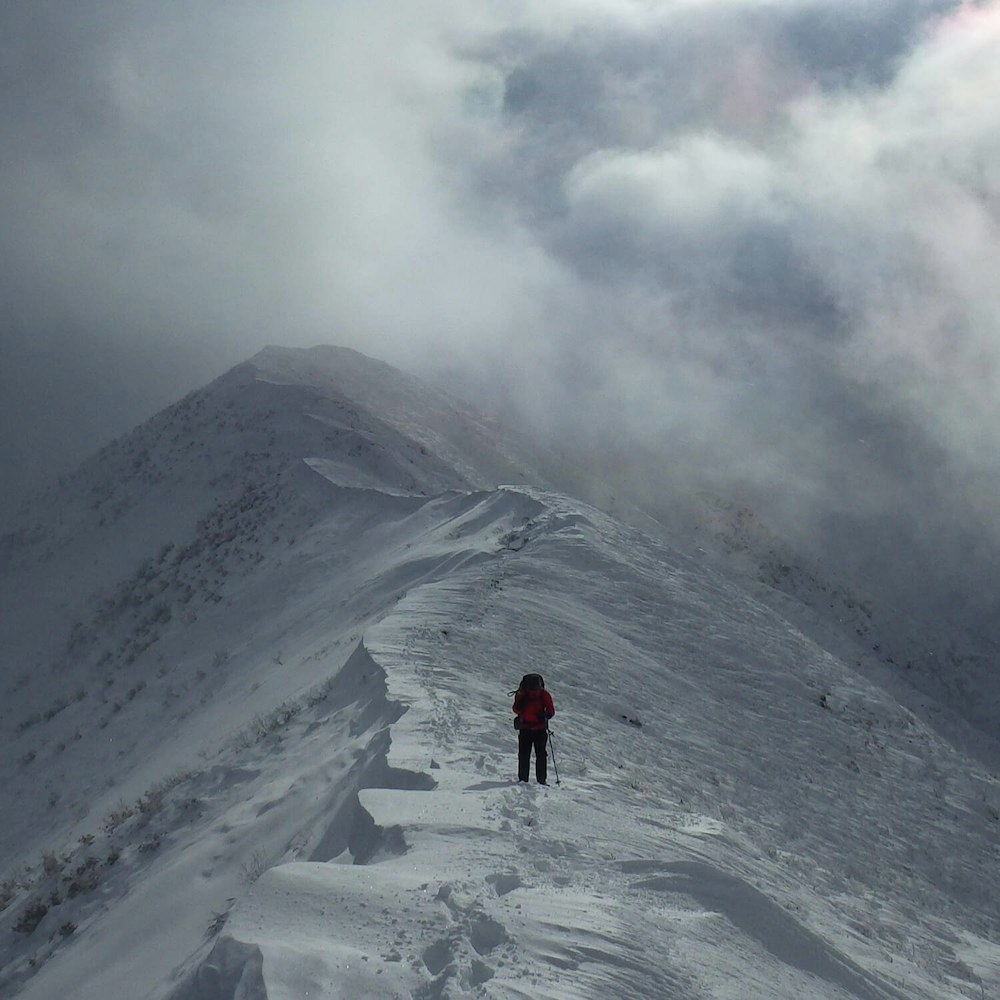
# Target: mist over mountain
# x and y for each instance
(744, 243)
(256, 657)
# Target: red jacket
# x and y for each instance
(533, 707)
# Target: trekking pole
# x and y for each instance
(555, 766)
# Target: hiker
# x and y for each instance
(533, 708)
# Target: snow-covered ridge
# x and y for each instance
(264, 749)
(681, 804)
(208, 725)
(361, 423)
(222, 474)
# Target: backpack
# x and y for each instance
(529, 682)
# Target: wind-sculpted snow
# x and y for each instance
(718, 821)
(692, 728)
(286, 786)
(761, 919)
(232, 970)
(212, 777)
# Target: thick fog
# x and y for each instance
(748, 245)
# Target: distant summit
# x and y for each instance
(480, 453)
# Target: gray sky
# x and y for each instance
(755, 242)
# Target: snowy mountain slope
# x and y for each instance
(740, 815)
(194, 742)
(274, 759)
(170, 521)
(362, 423)
(752, 741)
(942, 668)
(249, 426)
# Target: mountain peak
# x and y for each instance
(303, 364)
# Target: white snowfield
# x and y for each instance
(310, 791)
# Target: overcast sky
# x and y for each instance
(755, 240)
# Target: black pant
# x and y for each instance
(526, 739)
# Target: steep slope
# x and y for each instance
(739, 813)
(160, 528)
(253, 425)
(941, 668)
(358, 422)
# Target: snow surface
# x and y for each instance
(259, 740)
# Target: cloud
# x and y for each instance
(241, 170)
(750, 240)
(183, 184)
(903, 200)
(783, 218)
